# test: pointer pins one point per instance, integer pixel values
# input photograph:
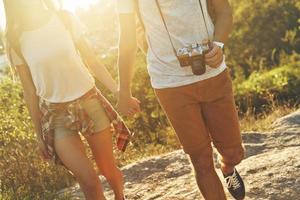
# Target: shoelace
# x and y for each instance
(232, 181)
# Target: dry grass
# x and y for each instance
(264, 121)
(249, 122)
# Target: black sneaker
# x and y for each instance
(235, 185)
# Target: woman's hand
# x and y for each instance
(43, 150)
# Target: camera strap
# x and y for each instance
(166, 27)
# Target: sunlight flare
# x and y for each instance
(73, 5)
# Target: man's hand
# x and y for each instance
(214, 57)
(128, 105)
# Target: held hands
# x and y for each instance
(127, 105)
(214, 57)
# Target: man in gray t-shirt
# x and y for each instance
(195, 91)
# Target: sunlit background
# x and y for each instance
(98, 16)
(72, 5)
(263, 55)
(2, 17)
(67, 4)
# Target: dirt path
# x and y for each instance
(271, 169)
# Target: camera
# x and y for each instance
(194, 55)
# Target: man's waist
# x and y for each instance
(161, 78)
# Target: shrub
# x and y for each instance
(23, 174)
(261, 89)
(263, 29)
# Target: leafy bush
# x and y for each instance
(262, 89)
(23, 174)
(262, 29)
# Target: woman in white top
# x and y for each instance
(45, 47)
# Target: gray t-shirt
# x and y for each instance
(186, 26)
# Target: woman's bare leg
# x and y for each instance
(71, 151)
(102, 148)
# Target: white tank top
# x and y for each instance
(57, 70)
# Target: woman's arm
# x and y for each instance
(95, 65)
(32, 102)
(30, 97)
(102, 74)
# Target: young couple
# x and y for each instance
(54, 62)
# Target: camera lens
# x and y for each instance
(198, 64)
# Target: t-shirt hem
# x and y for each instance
(195, 79)
(68, 99)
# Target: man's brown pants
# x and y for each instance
(202, 113)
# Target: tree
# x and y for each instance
(262, 30)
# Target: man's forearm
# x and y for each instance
(223, 22)
(127, 52)
(126, 71)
